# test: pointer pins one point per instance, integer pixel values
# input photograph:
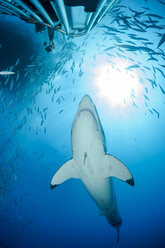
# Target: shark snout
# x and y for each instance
(86, 100)
(87, 104)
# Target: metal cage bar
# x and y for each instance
(95, 15)
(15, 9)
(36, 12)
(61, 12)
(106, 9)
(8, 11)
(24, 6)
(41, 9)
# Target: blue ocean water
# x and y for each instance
(37, 108)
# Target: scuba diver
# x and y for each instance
(51, 45)
(51, 42)
(40, 28)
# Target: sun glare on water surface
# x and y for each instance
(117, 85)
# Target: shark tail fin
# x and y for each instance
(115, 168)
(118, 232)
(66, 172)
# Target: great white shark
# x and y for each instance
(92, 164)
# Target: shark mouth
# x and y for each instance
(87, 110)
(93, 115)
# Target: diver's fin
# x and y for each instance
(115, 168)
(66, 172)
(118, 232)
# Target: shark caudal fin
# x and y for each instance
(115, 168)
(66, 172)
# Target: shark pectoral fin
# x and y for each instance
(66, 172)
(115, 168)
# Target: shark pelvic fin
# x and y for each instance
(115, 168)
(101, 212)
(66, 172)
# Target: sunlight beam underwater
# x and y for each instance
(116, 84)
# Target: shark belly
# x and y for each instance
(87, 137)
